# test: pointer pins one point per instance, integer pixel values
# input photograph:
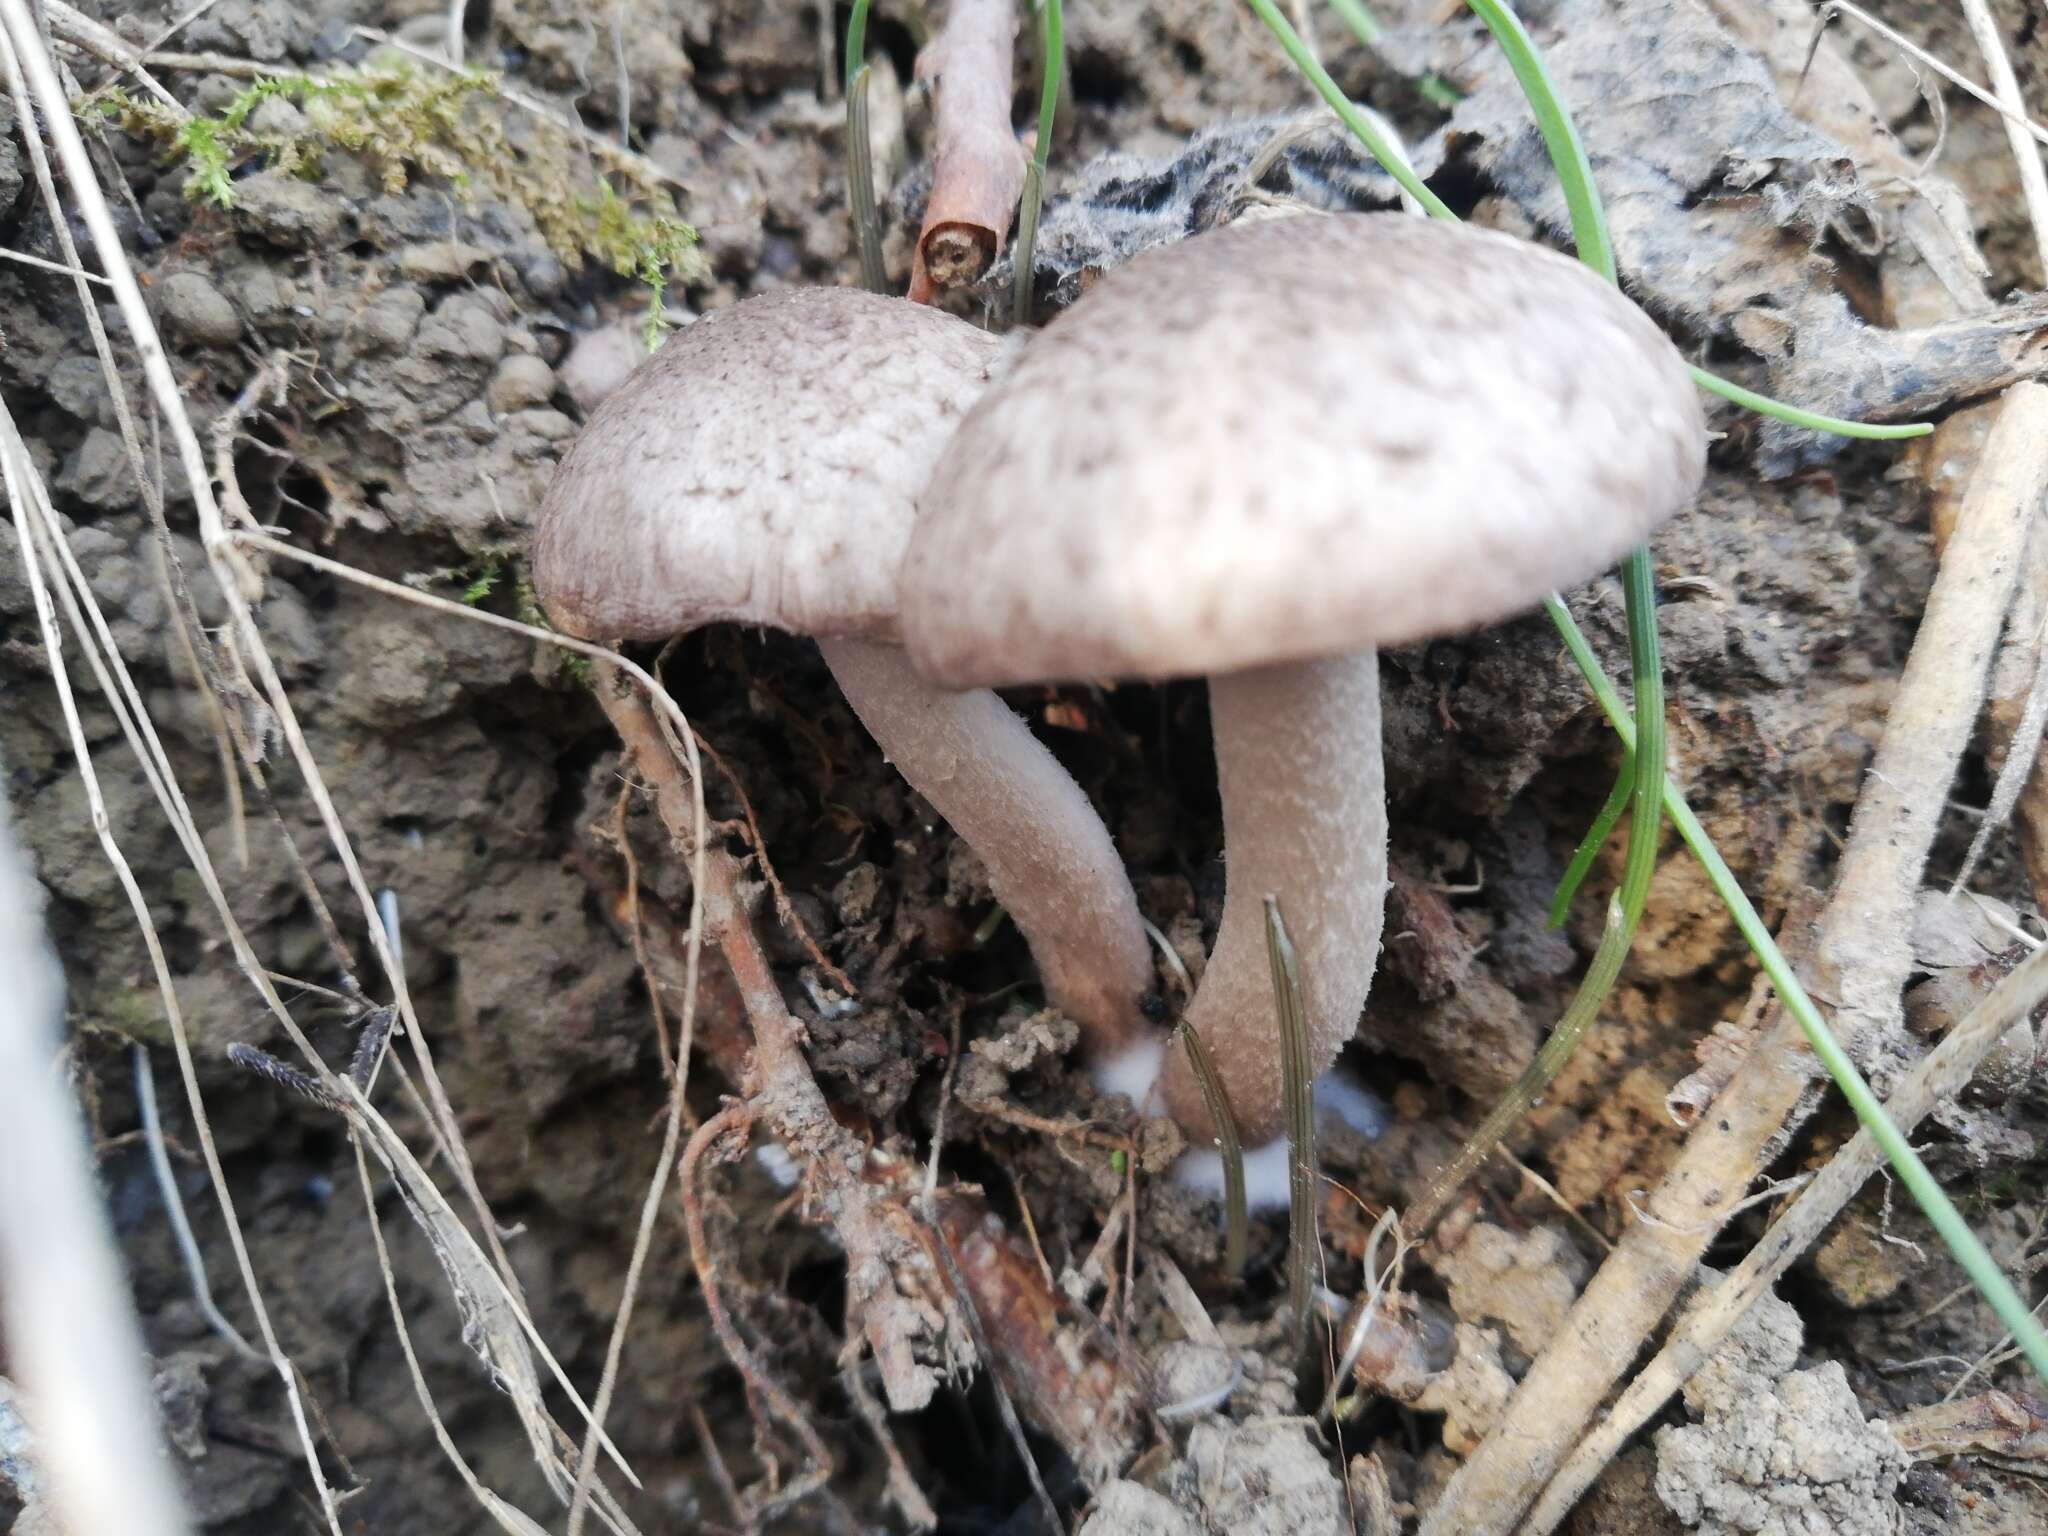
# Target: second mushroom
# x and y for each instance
(1257, 455)
(761, 469)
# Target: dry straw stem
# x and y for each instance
(238, 580)
(2019, 681)
(508, 1518)
(1860, 962)
(977, 165)
(29, 501)
(1940, 1074)
(480, 1291)
(734, 1121)
(2026, 153)
(2011, 111)
(71, 1338)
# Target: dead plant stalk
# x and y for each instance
(240, 582)
(783, 1089)
(70, 1332)
(1940, 1074)
(977, 163)
(1861, 960)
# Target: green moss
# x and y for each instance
(449, 126)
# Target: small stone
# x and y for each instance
(519, 382)
(443, 261)
(1264, 1478)
(194, 310)
(389, 320)
(1131, 1509)
(288, 212)
(598, 364)
(464, 329)
(265, 296)
(277, 118)
(97, 473)
(78, 387)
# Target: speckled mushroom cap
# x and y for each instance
(1296, 438)
(761, 468)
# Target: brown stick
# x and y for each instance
(1940, 1074)
(1956, 443)
(1860, 963)
(1078, 1395)
(2014, 1427)
(977, 163)
(898, 1326)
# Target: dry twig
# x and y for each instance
(734, 1120)
(977, 163)
(878, 1239)
(1939, 1075)
(1861, 959)
(2010, 106)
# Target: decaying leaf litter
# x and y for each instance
(435, 354)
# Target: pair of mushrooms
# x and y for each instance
(1255, 456)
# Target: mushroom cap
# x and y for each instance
(1296, 438)
(761, 468)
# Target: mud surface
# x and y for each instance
(407, 353)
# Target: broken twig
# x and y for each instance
(1939, 1075)
(977, 163)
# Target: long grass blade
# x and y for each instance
(1236, 1223)
(1052, 52)
(860, 170)
(1297, 1083)
(1933, 1201)
(1595, 839)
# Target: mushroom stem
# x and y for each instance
(1050, 860)
(1305, 819)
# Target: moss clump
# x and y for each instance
(448, 125)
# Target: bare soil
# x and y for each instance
(425, 332)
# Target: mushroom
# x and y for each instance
(1258, 455)
(762, 468)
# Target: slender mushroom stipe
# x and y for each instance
(762, 468)
(1259, 454)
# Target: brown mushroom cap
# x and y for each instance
(761, 468)
(1297, 438)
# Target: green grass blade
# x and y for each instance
(1053, 53)
(1764, 405)
(856, 40)
(1236, 1223)
(1560, 136)
(1296, 1077)
(1359, 124)
(1934, 1203)
(860, 173)
(1364, 26)
(1645, 783)
(1594, 840)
